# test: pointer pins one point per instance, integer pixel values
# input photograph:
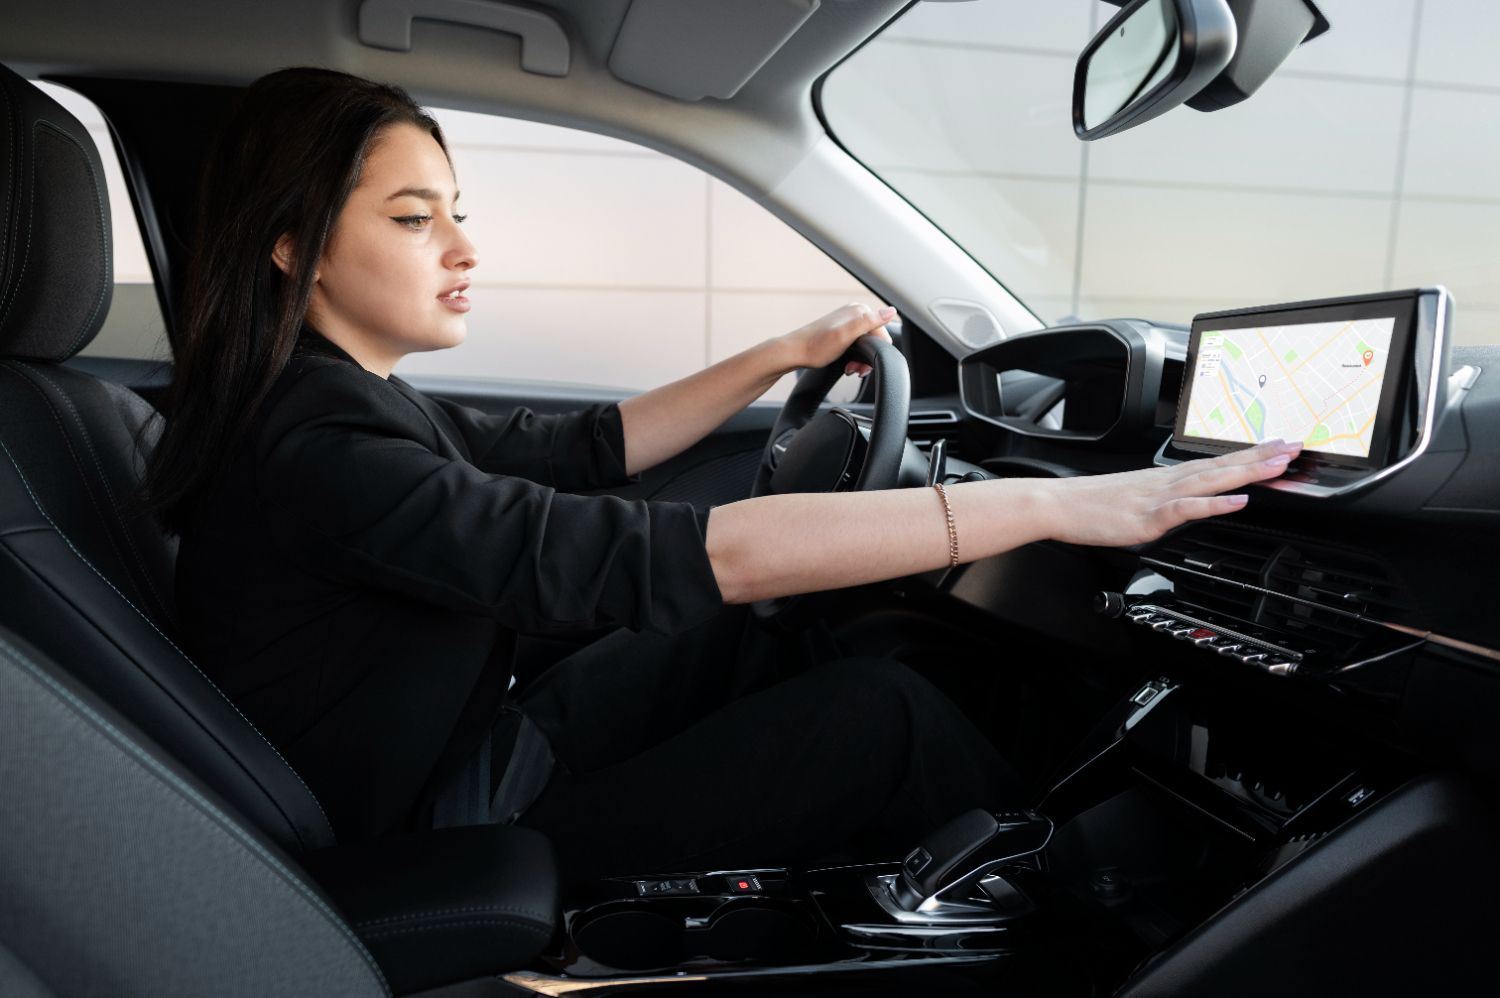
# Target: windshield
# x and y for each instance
(1369, 161)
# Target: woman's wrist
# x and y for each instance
(1029, 507)
(783, 355)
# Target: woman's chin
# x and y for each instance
(450, 336)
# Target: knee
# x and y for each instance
(870, 676)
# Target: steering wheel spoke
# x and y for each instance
(836, 450)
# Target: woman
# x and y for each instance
(356, 558)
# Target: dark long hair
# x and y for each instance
(285, 162)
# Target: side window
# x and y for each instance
(605, 263)
(134, 326)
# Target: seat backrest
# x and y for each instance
(120, 873)
(83, 579)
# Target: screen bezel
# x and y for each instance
(1400, 306)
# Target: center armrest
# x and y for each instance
(446, 905)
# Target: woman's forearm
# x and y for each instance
(786, 544)
(780, 545)
(666, 421)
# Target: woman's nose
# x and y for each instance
(461, 255)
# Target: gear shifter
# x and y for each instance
(954, 859)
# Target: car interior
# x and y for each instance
(1259, 752)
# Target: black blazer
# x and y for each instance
(355, 582)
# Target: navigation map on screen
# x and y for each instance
(1314, 382)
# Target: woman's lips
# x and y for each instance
(456, 303)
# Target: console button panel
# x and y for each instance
(1232, 639)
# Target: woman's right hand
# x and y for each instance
(1134, 507)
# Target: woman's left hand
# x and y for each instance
(824, 340)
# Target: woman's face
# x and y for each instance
(385, 285)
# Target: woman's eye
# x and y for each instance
(413, 221)
(460, 219)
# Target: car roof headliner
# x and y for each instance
(234, 41)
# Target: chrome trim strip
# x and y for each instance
(1441, 639)
(532, 982)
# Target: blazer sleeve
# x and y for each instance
(577, 450)
(350, 491)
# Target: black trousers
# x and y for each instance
(726, 746)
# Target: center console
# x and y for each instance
(1175, 822)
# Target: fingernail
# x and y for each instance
(887, 312)
(1237, 500)
(1274, 442)
(1279, 461)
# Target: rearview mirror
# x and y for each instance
(1151, 56)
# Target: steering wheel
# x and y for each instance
(837, 450)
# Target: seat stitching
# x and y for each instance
(161, 603)
(443, 912)
(31, 569)
(208, 813)
(77, 464)
(402, 930)
(213, 685)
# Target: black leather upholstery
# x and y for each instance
(86, 581)
(122, 874)
(56, 275)
(446, 905)
(89, 584)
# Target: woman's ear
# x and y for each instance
(281, 254)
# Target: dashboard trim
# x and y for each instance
(1151, 347)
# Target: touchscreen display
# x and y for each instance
(1317, 382)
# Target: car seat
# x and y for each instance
(89, 585)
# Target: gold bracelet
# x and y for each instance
(952, 527)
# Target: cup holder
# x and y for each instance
(657, 935)
(758, 932)
(631, 939)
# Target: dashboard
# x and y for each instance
(1363, 571)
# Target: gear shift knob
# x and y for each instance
(965, 849)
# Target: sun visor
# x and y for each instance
(689, 49)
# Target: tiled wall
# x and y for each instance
(1371, 160)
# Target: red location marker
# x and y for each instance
(1369, 356)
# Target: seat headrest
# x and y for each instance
(56, 272)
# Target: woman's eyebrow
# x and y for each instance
(425, 193)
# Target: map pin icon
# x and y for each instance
(1263, 378)
(1369, 356)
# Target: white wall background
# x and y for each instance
(601, 262)
(607, 263)
(1371, 160)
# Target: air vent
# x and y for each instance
(1328, 592)
(1214, 566)
(1323, 594)
(924, 426)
